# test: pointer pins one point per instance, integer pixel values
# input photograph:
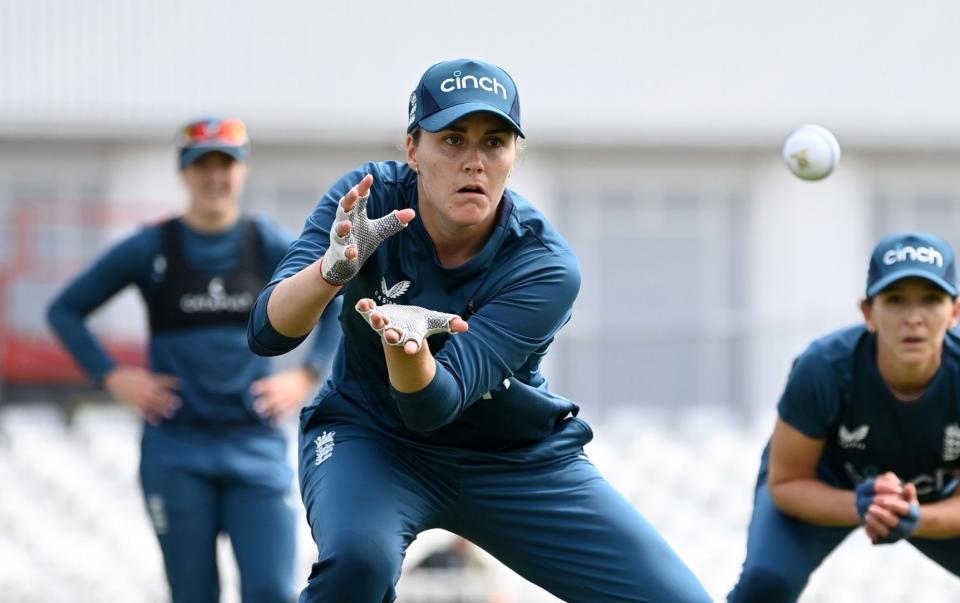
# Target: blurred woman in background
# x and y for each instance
(868, 431)
(213, 458)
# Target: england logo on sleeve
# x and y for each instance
(324, 444)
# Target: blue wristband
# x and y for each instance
(865, 491)
(905, 528)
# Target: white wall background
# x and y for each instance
(657, 72)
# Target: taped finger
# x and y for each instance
(393, 336)
(415, 338)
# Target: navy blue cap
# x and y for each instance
(912, 254)
(213, 134)
(451, 90)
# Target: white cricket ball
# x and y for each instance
(811, 152)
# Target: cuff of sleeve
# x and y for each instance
(264, 340)
(434, 406)
(100, 373)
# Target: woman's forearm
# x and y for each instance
(298, 301)
(816, 502)
(940, 519)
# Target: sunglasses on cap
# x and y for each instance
(213, 132)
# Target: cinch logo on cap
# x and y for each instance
(452, 90)
(911, 254)
(460, 81)
(928, 255)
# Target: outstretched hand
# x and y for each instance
(354, 236)
(408, 326)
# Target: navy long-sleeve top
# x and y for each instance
(516, 294)
(836, 393)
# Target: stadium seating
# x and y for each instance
(74, 527)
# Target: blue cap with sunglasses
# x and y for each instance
(912, 254)
(213, 134)
(451, 90)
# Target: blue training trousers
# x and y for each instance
(544, 511)
(197, 484)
